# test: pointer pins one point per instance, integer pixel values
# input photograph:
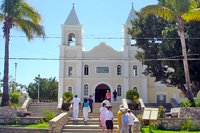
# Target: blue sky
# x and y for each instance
(100, 18)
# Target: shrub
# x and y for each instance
(197, 102)
(185, 103)
(161, 111)
(67, 96)
(14, 97)
(132, 95)
(48, 115)
(187, 125)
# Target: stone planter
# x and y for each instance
(134, 106)
(66, 106)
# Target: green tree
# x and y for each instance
(180, 11)
(19, 14)
(48, 88)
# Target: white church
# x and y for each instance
(94, 72)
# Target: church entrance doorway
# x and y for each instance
(100, 92)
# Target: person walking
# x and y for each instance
(75, 104)
(85, 107)
(124, 128)
(115, 95)
(102, 121)
(108, 95)
(119, 117)
(131, 118)
(109, 119)
(90, 100)
(107, 102)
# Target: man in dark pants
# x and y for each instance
(90, 104)
(115, 95)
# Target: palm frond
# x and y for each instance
(158, 10)
(30, 28)
(192, 15)
(30, 12)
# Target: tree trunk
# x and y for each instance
(6, 30)
(185, 61)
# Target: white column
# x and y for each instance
(61, 73)
(79, 78)
(126, 78)
(126, 87)
(144, 90)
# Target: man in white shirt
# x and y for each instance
(109, 120)
(75, 103)
(102, 120)
(106, 102)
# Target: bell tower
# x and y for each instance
(126, 36)
(71, 47)
(72, 30)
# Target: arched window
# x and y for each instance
(70, 69)
(70, 89)
(86, 70)
(85, 90)
(134, 70)
(119, 70)
(119, 90)
(135, 88)
(71, 39)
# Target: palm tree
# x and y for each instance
(19, 14)
(180, 11)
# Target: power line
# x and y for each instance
(113, 38)
(112, 59)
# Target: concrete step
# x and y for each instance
(42, 103)
(37, 109)
(84, 126)
(92, 119)
(84, 130)
(88, 122)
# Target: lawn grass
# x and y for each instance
(146, 130)
(40, 125)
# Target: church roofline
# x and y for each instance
(72, 18)
(103, 44)
(132, 16)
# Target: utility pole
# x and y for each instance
(15, 86)
(38, 88)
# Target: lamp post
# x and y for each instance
(38, 88)
(1, 81)
(15, 77)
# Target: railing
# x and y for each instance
(57, 123)
(26, 104)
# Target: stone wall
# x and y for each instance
(22, 130)
(20, 120)
(175, 123)
(192, 112)
(57, 123)
(7, 112)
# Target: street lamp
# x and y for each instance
(15, 77)
(38, 88)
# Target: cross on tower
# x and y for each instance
(132, 4)
(73, 5)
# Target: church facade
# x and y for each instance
(93, 72)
